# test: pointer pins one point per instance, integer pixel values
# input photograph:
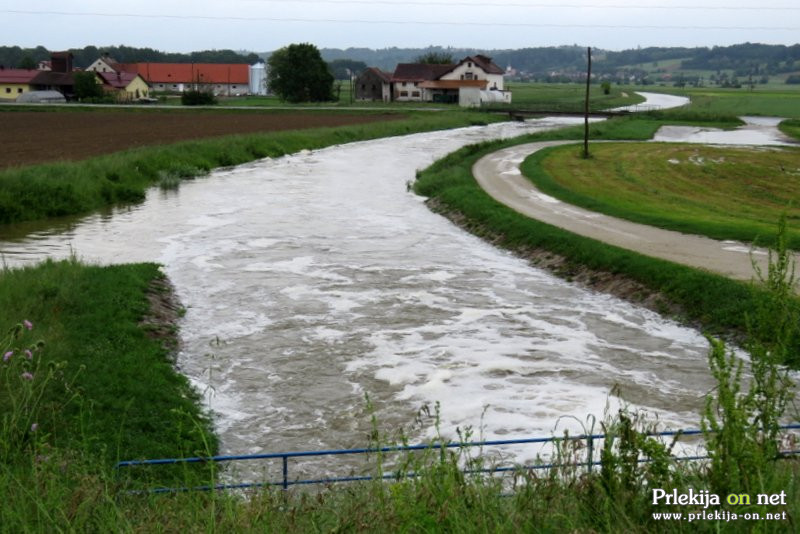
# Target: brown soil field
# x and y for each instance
(38, 137)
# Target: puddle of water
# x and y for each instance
(762, 131)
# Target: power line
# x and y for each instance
(398, 22)
(532, 6)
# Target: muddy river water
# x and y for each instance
(315, 279)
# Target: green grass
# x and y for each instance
(791, 128)
(53, 190)
(716, 303)
(773, 101)
(723, 193)
(567, 97)
(132, 401)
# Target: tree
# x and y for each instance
(86, 86)
(27, 62)
(342, 69)
(435, 58)
(297, 73)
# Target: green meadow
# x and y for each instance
(723, 193)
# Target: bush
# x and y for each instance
(198, 97)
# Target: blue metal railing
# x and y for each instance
(285, 482)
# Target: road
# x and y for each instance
(500, 176)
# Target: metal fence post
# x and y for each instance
(590, 446)
(285, 472)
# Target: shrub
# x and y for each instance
(198, 97)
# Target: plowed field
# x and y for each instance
(37, 137)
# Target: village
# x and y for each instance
(471, 82)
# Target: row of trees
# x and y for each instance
(28, 58)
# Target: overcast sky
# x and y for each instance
(264, 25)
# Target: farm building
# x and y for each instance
(14, 82)
(126, 85)
(374, 84)
(229, 79)
(473, 81)
(104, 64)
(258, 79)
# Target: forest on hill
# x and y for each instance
(16, 57)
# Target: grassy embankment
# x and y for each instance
(717, 304)
(51, 478)
(722, 193)
(52, 190)
(791, 128)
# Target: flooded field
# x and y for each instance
(313, 280)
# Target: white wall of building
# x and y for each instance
(471, 71)
(408, 92)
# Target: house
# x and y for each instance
(104, 64)
(374, 84)
(473, 81)
(229, 79)
(14, 82)
(59, 78)
(126, 85)
(407, 77)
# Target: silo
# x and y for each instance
(258, 79)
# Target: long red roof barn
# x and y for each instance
(219, 73)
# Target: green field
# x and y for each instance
(723, 193)
(552, 97)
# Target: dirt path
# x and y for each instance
(500, 176)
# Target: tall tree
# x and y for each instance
(435, 58)
(297, 73)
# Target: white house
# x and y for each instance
(104, 64)
(471, 82)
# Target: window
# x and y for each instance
(19, 90)
(415, 94)
(8, 89)
(234, 87)
(469, 76)
(403, 93)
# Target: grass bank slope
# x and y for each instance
(129, 401)
(723, 193)
(53, 190)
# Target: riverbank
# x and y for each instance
(110, 332)
(702, 299)
(57, 189)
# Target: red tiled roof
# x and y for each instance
(233, 73)
(417, 72)
(117, 80)
(21, 76)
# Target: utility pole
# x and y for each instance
(586, 107)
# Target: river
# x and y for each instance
(315, 279)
